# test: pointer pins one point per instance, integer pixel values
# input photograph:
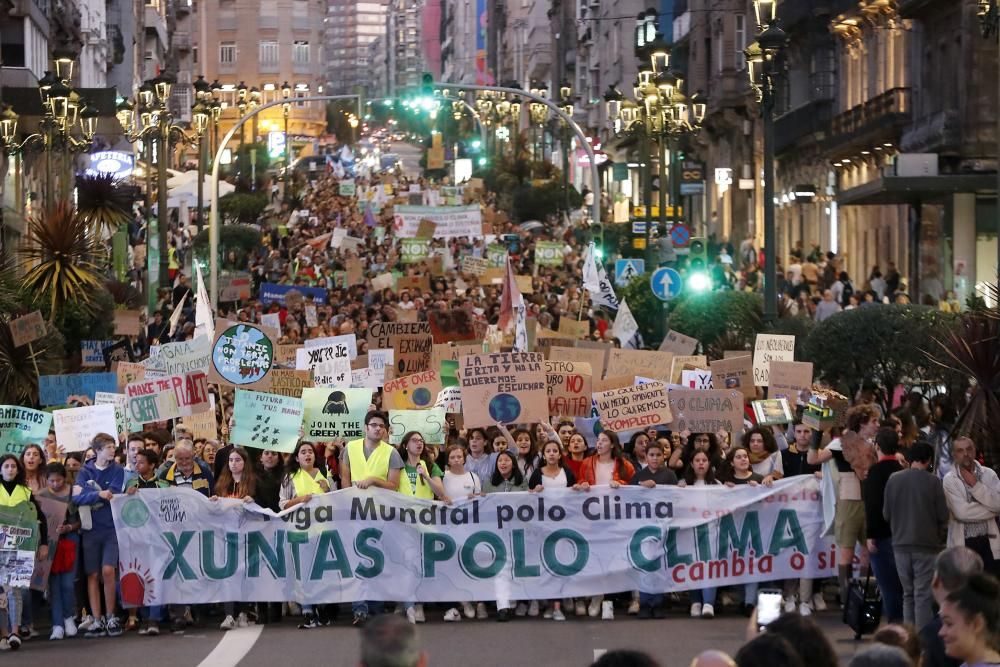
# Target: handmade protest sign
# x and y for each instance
(451, 326)
(167, 397)
(120, 401)
(182, 357)
(640, 362)
(333, 373)
(791, 380)
(450, 399)
(768, 348)
(412, 354)
(128, 371)
(419, 284)
(310, 356)
(76, 427)
(706, 410)
(475, 266)
(203, 424)
(633, 407)
(379, 282)
(679, 344)
(772, 412)
(379, 361)
(508, 387)
(271, 320)
(614, 382)
(56, 389)
(549, 253)
(266, 421)
(27, 328)
(381, 334)
(288, 382)
(573, 329)
(92, 353)
(365, 377)
(411, 392)
(242, 355)
(569, 385)
(20, 427)
(412, 251)
(429, 423)
(19, 537)
(312, 318)
(734, 373)
(593, 357)
(683, 363)
(452, 352)
(450, 221)
(332, 414)
(284, 355)
(696, 379)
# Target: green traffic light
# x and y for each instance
(699, 281)
(598, 252)
(482, 161)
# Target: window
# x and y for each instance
(194, 55)
(741, 41)
(300, 52)
(268, 52)
(227, 53)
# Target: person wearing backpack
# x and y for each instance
(843, 289)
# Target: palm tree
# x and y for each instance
(66, 258)
(102, 202)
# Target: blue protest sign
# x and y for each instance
(273, 292)
(54, 389)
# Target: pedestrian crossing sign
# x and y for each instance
(627, 269)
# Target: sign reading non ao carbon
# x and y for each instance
(242, 354)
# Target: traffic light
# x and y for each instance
(698, 254)
(597, 236)
(427, 84)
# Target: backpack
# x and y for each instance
(845, 295)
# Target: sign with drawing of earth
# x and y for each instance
(242, 355)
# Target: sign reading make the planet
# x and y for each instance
(508, 387)
(242, 355)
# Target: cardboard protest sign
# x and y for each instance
(412, 392)
(92, 353)
(634, 407)
(613, 382)
(419, 284)
(349, 340)
(451, 325)
(332, 414)
(412, 251)
(271, 320)
(203, 424)
(595, 358)
(266, 421)
(429, 423)
(355, 271)
(285, 355)
(679, 344)
(128, 371)
(380, 282)
(791, 380)
(20, 427)
(412, 354)
(729, 354)
(544, 344)
(508, 387)
(288, 382)
(27, 328)
(452, 352)
(570, 386)
(167, 397)
(597, 345)
(380, 334)
(56, 389)
(475, 266)
(573, 329)
(450, 399)
(696, 379)
(242, 355)
(768, 348)
(76, 427)
(366, 378)
(640, 362)
(706, 410)
(683, 363)
(407, 316)
(425, 228)
(127, 323)
(182, 357)
(734, 373)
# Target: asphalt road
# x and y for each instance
(673, 641)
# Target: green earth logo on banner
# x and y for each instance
(135, 514)
(243, 355)
(505, 408)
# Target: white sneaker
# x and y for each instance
(790, 605)
(819, 604)
(452, 616)
(707, 611)
(57, 633)
(805, 609)
(70, 626)
(418, 613)
(242, 621)
(228, 623)
(411, 616)
(608, 611)
(633, 608)
(86, 623)
(594, 608)
(469, 610)
(580, 607)
(557, 615)
(533, 608)
(521, 609)
(695, 610)
(481, 611)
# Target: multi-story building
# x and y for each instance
(378, 66)
(350, 28)
(406, 61)
(262, 44)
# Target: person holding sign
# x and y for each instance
(700, 472)
(236, 480)
(523, 443)
(14, 492)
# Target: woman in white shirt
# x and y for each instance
(699, 473)
(460, 484)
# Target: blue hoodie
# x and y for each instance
(92, 481)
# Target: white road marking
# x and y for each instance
(233, 647)
(599, 653)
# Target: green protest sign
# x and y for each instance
(347, 188)
(266, 421)
(548, 253)
(332, 413)
(412, 251)
(496, 255)
(18, 543)
(20, 427)
(429, 423)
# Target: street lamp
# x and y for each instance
(286, 109)
(989, 23)
(763, 69)
(566, 106)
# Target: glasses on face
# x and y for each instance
(376, 425)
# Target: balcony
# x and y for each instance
(182, 7)
(155, 23)
(811, 118)
(881, 116)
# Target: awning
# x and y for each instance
(912, 189)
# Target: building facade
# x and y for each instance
(350, 28)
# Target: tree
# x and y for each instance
(720, 320)
(236, 243)
(885, 345)
(244, 207)
(102, 202)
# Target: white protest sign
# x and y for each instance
(76, 427)
(348, 340)
(768, 348)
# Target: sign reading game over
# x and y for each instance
(507, 387)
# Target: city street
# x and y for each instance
(674, 642)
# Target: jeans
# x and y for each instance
(366, 607)
(703, 596)
(750, 593)
(650, 599)
(13, 610)
(884, 566)
(153, 613)
(916, 570)
(62, 596)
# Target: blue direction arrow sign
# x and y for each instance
(627, 269)
(665, 283)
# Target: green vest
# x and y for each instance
(305, 483)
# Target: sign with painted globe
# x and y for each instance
(507, 387)
(242, 356)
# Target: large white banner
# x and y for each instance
(450, 221)
(178, 547)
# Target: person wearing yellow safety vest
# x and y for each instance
(368, 462)
(14, 492)
(303, 481)
(421, 478)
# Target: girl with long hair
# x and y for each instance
(238, 481)
(700, 472)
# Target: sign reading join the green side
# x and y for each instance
(548, 253)
(266, 421)
(20, 427)
(332, 413)
(412, 251)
